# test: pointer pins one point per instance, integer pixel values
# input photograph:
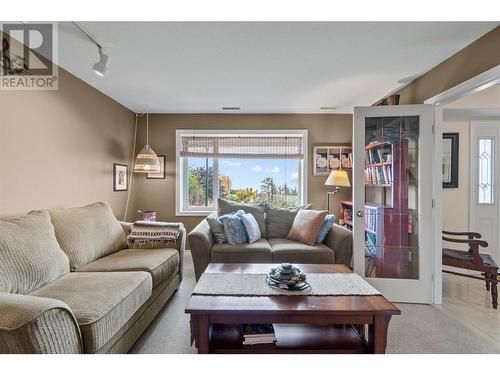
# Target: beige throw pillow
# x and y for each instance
(30, 255)
(306, 226)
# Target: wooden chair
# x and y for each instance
(472, 260)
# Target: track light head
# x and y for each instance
(101, 67)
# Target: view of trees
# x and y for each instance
(201, 190)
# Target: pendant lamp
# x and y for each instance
(147, 160)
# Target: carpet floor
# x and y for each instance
(419, 329)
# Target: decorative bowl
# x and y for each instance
(288, 277)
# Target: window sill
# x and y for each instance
(194, 213)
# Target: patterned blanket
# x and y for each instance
(153, 235)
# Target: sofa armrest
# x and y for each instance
(340, 240)
(200, 243)
(180, 245)
(37, 325)
(126, 226)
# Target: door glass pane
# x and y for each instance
(391, 197)
(485, 170)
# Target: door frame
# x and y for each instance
(475, 84)
(425, 198)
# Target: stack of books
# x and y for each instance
(255, 334)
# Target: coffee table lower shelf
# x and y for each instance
(291, 338)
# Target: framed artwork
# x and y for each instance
(450, 160)
(161, 174)
(331, 157)
(120, 180)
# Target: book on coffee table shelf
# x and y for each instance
(254, 334)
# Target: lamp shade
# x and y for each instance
(338, 178)
(147, 161)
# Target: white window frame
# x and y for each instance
(181, 165)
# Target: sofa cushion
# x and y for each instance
(87, 233)
(306, 225)
(288, 251)
(160, 263)
(256, 252)
(279, 221)
(258, 210)
(30, 256)
(102, 302)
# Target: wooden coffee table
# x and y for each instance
(303, 324)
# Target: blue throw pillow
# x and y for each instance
(325, 228)
(234, 229)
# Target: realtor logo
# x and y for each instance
(28, 56)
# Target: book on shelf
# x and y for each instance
(378, 175)
(254, 334)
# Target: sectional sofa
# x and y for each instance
(69, 284)
(273, 247)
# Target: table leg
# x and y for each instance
(202, 335)
(494, 293)
(377, 334)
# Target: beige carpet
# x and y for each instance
(419, 329)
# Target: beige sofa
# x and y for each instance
(69, 284)
(273, 247)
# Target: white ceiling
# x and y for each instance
(275, 67)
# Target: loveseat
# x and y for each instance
(273, 247)
(69, 284)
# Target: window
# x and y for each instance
(243, 166)
(485, 171)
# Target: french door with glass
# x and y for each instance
(392, 200)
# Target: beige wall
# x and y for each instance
(476, 58)
(57, 148)
(456, 200)
(159, 195)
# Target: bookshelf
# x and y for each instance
(387, 215)
(386, 209)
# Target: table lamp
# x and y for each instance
(338, 179)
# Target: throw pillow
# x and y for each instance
(252, 227)
(30, 255)
(280, 220)
(305, 227)
(217, 229)
(258, 210)
(234, 229)
(325, 228)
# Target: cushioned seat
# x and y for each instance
(160, 263)
(257, 252)
(102, 302)
(284, 250)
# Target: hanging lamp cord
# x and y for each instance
(131, 170)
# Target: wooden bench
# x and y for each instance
(472, 259)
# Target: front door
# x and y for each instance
(484, 180)
(392, 200)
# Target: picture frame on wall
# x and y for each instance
(161, 174)
(331, 157)
(450, 160)
(120, 177)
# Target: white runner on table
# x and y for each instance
(322, 284)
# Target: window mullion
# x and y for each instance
(215, 183)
